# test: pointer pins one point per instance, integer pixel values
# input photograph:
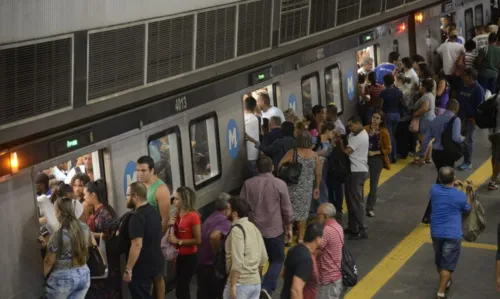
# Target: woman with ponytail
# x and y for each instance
(100, 224)
(65, 265)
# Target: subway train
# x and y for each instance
(197, 136)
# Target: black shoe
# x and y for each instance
(349, 232)
(426, 220)
(359, 236)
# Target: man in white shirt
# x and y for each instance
(449, 52)
(409, 72)
(266, 109)
(453, 27)
(481, 38)
(252, 130)
(86, 167)
(357, 150)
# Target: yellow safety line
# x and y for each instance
(474, 245)
(392, 262)
(384, 177)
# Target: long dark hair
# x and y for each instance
(382, 118)
(99, 188)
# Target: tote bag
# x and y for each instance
(414, 125)
(168, 249)
(97, 262)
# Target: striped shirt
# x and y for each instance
(330, 255)
(469, 59)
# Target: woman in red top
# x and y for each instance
(371, 95)
(187, 237)
(99, 223)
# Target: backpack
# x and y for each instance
(486, 114)
(220, 257)
(474, 223)
(348, 267)
(119, 240)
(452, 149)
(339, 165)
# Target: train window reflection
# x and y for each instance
(165, 149)
(469, 24)
(479, 15)
(333, 87)
(205, 157)
(310, 94)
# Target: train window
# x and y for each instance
(165, 149)
(469, 24)
(334, 87)
(204, 136)
(310, 93)
(478, 11)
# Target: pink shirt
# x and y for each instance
(330, 255)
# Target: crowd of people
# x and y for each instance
(299, 171)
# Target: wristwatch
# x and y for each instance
(180, 243)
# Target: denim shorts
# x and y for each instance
(447, 252)
(69, 283)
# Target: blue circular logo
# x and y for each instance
(129, 176)
(292, 102)
(350, 84)
(233, 138)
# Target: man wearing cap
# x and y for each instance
(449, 52)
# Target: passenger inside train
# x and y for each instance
(303, 187)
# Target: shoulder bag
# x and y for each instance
(97, 259)
(452, 149)
(168, 249)
(220, 256)
(290, 171)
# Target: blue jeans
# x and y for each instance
(244, 291)
(71, 284)
(275, 248)
(470, 128)
(447, 253)
(391, 121)
(488, 83)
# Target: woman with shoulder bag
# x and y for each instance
(100, 222)
(308, 181)
(65, 265)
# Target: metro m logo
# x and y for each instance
(350, 84)
(233, 138)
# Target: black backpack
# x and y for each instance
(220, 257)
(452, 149)
(119, 240)
(348, 267)
(339, 167)
(486, 114)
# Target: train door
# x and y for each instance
(478, 13)
(310, 93)
(469, 24)
(333, 87)
(272, 90)
(445, 21)
(372, 51)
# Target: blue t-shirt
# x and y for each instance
(392, 97)
(382, 70)
(448, 204)
(469, 98)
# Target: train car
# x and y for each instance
(196, 137)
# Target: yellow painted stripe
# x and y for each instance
(474, 245)
(384, 177)
(399, 255)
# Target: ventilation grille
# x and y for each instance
(347, 11)
(294, 19)
(322, 15)
(35, 79)
(116, 60)
(393, 3)
(170, 47)
(215, 36)
(254, 26)
(370, 7)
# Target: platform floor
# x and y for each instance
(397, 260)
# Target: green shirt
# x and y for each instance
(490, 63)
(152, 193)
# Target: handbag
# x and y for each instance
(414, 125)
(290, 171)
(97, 261)
(168, 249)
